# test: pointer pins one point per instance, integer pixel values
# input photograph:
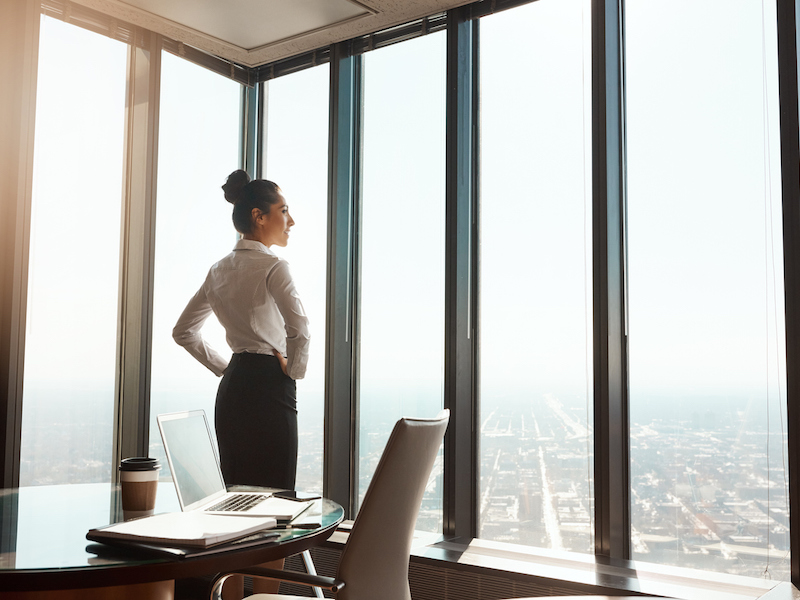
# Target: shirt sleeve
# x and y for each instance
(187, 333)
(281, 288)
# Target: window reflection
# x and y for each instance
(536, 438)
(402, 250)
(70, 344)
(707, 372)
(198, 148)
(296, 158)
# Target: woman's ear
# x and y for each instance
(254, 214)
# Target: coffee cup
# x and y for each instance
(138, 477)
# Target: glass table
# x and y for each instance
(43, 545)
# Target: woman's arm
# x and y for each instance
(281, 288)
(187, 333)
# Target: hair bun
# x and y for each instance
(234, 185)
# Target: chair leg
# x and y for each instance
(311, 571)
(234, 589)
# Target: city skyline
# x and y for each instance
(692, 506)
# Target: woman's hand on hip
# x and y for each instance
(282, 361)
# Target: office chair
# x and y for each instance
(374, 563)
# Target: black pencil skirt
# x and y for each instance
(256, 423)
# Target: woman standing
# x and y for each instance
(252, 294)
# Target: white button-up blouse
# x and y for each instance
(252, 294)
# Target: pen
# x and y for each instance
(298, 526)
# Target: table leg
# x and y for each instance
(268, 586)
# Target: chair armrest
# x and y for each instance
(328, 583)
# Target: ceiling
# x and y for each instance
(255, 32)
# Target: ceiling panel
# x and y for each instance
(256, 32)
(250, 24)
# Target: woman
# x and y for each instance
(252, 294)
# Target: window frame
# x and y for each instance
(790, 191)
(611, 424)
(612, 485)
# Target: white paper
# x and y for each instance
(195, 528)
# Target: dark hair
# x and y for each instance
(245, 195)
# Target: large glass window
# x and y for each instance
(402, 250)
(70, 345)
(296, 158)
(198, 148)
(707, 372)
(705, 319)
(536, 438)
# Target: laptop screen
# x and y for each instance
(191, 456)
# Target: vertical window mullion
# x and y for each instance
(131, 419)
(18, 70)
(790, 155)
(612, 480)
(460, 396)
(341, 418)
(249, 159)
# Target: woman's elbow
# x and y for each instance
(181, 336)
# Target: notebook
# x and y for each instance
(197, 475)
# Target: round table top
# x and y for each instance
(43, 543)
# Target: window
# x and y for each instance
(296, 158)
(402, 250)
(707, 368)
(536, 440)
(198, 148)
(705, 337)
(73, 281)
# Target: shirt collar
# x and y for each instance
(252, 245)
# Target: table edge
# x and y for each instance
(34, 580)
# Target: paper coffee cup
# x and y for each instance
(138, 479)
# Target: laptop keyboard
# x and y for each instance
(237, 503)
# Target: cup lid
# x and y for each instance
(139, 463)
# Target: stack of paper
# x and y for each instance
(189, 529)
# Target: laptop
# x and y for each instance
(195, 469)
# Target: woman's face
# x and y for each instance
(272, 228)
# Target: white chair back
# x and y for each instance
(374, 562)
